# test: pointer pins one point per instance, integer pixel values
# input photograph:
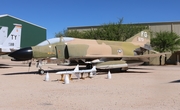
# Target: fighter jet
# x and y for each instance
(10, 43)
(102, 53)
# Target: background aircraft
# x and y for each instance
(3, 33)
(12, 42)
(104, 54)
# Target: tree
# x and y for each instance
(165, 41)
(59, 34)
(110, 31)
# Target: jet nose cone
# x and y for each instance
(22, 54)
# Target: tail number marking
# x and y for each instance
(14, 37)
(144, 34)
(140, 39)
(11, 44)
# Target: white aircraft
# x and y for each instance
(3, 33)
(77, 72)
(12, 42)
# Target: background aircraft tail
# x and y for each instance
(13, 41)
(3, 34)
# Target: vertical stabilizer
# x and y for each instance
(3, 34)
(13, 41)
(140, 38)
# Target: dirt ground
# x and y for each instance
(141, 88)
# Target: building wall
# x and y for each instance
(162, 27)
(154, 27)
(176, 28)
(30, 35)
(171, 26)
(83, 28)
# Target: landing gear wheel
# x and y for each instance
(88, 66)
(41, 71)
(124, 69)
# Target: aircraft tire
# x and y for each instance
(41, 71)
(123, 70)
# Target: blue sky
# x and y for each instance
(57, 15)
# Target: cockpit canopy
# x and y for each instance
(54, 40)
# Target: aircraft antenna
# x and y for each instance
(61, 39)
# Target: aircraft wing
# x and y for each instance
(146, 55)
(118, 56)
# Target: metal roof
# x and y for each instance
(150, 23)
(20, 20)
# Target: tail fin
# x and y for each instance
(3, 34)
(76, 69)
(142, 37)
(13, 41)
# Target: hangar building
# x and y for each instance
(155, 27)
(171, 58)
(31, 34)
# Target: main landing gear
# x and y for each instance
(39, 65)
(41, 71)
(89, 66)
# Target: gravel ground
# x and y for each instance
(140, 88)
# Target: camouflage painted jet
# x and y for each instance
(104, 54)
(12, 42)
